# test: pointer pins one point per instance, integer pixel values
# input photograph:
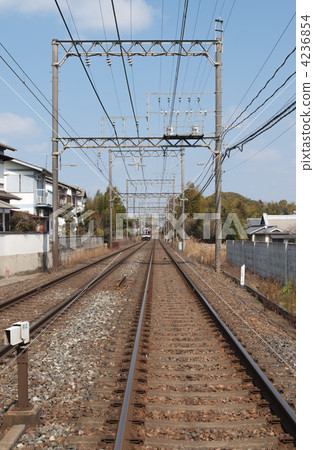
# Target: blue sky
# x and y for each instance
(258, 36)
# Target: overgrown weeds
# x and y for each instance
(283, 295)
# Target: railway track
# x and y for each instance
(41, 304)
(166, 376)
(187, 386)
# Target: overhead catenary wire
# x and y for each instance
(185, 10)
(263, 65)
(284, 112)
(41, 103)
(83, 65)
(88, 76)
(262, 104)
(264, 87)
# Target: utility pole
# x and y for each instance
(55, 238)
(218, 113)
(173, 209)
(182, 194)
(127, 209)
(110, 199)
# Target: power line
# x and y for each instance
(185, 10)
(37, 98)
(265, 127)
(124, 67)
(262, 104)
(259, 151)
(264, 87)
(271, 52)
(83, 65)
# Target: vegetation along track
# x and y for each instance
(187, 385)
(42, 303)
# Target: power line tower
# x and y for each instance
(154, 145)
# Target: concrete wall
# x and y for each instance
(22, 253)
(270, 260)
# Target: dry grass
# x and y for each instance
(285, 296)
(202, 252)
(85, 255)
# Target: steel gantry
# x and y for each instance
(118, 48)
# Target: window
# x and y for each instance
(19, 183)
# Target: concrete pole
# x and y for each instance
(127, 209)
(110, 198)
(218, 112)
(173, 207)
(55, 205)
(182, 193)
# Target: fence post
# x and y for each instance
(286, 263)
(254, 256)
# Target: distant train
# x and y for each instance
(146, 234)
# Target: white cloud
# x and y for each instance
(87, 14)
(26, 6)
(14, 126)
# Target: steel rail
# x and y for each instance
(73, 297)
(124, 423)
(277, 403)
(14, 299)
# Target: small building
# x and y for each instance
(272, 228)
(5, 197)
(32, 189)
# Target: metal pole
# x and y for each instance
(182, 193)
(110, 198)
(55, 243)
(174, 208)
(127, 209)
(218, 111)
(22, 375)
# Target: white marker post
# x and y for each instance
(242, 276)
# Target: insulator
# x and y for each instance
(108, 61)
(130, 60)
(87, 61)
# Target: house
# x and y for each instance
(272, 228)
(5, 197)
(32, 186)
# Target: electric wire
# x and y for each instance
(280, 115)
(264, 87)
(88, 76)
(262, 104)
(185, 9)
(83, 65)
(269, 55)
(124, 66)
(259, 151)
(42, 104)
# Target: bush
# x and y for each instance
(22, 222)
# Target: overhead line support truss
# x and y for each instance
(135, 48)
(122, 143)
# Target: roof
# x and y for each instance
(6, 147)
(269, 230)
(4, 194)
(47, 172)
(5, 205)
(254, 221)
(31, 166)
(284, 221)
(252, 230)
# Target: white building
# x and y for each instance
(32, 189)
